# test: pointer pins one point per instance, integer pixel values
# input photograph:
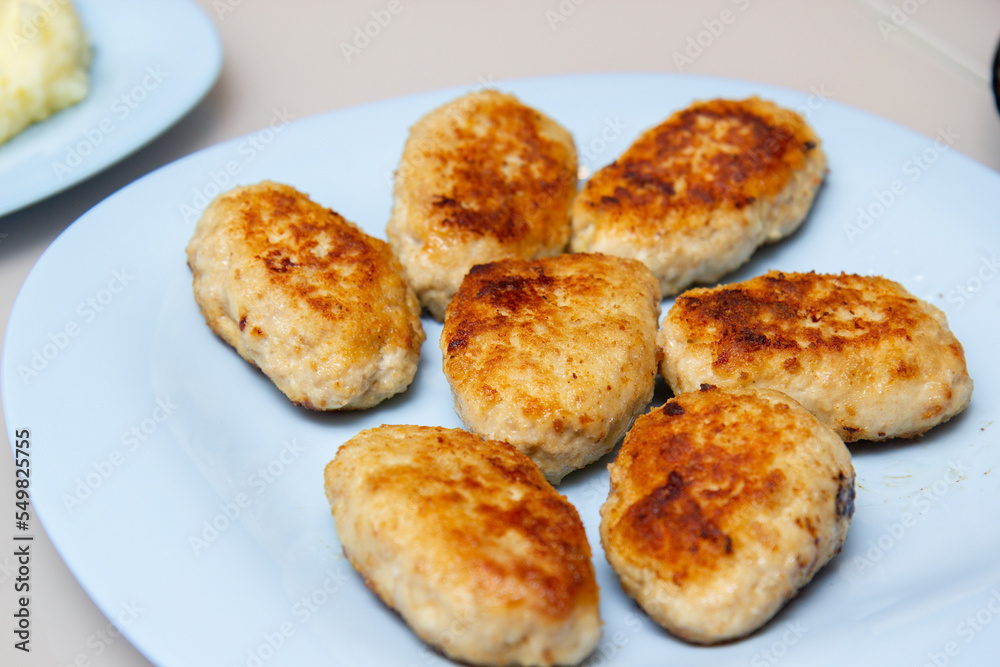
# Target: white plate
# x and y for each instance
(148, 433)
(152, 62)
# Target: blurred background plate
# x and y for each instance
(152, 62)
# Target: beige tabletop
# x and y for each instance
(923, 64)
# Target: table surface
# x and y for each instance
(929, 72)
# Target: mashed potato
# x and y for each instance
(44, 56)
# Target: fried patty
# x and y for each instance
(481, 178)
(694, 196)
(556, 355)
(860, 352)
(722, 507)
(314, 302)
(468, 542)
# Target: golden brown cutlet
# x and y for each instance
(722, 506)
(482, 178)
(468, 542)
(317, 304)
(554, 355)
(860, 352)
(694, 196)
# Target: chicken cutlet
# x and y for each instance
(481, 178)
(722, 507)
(693, 197)
(306, 296)
(860, 352)
(556, 355)
(468, 542)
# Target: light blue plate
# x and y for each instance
(185, 492)
(152, 62)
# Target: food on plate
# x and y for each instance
(468, 542)
(694, 196)
(481, 178)
(722, 507)
(314, 302)
(44, 59)
(556, 355)
(860, 352)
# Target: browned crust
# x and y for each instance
(700, 470)
(492, 293)
(803, 317)
(478, 495)
(322, 263)
(719, 154)
(535, 302)
(501, 176)
(297, 264)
